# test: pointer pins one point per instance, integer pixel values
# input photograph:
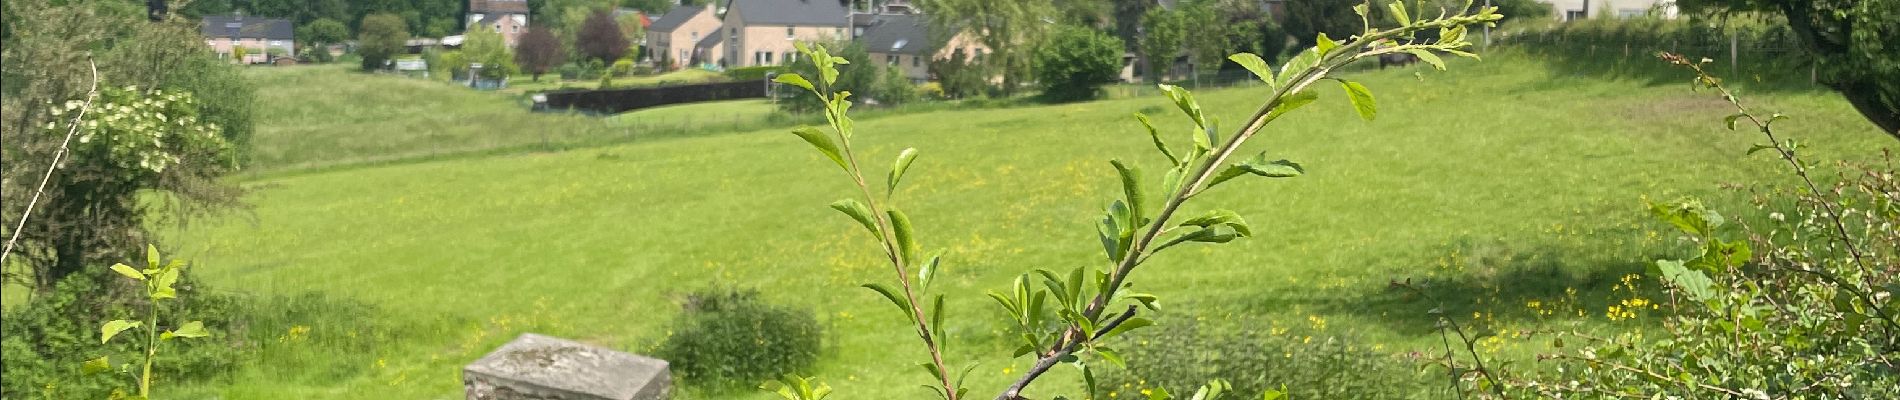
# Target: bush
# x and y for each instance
(729, 339)
(753, 73)
(1076, 62)
(893, 88)
(930, 91)
(1181, 353)
(622, 68)
(380, 38)
(45, 340)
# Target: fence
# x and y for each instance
(614, 101)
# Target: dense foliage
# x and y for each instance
(1855, 43)
(539, 51)
(600, 37)
(1257, 356)
(380, 39)
(1305, 20)
(486, 47)
(1011, 29)
(1076, 62)
(47, 340)
(1163, 32)
(858, 77)
(726, 338)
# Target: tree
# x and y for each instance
(487, 47)
(1216, 28)
(600, 37)
(959, 76)
(1305, 20)
(860, 76)
(1009, 28)
(539, 51)
(1855, 44)
(322, 33)
(381, 38)
(1077, 62)
(630, 28)
(1162, 33)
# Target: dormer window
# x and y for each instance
(788, 32)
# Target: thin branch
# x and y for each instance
(91, 93)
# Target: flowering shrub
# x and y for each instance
(143, 133)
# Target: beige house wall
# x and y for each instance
(254, 48)
(917, 68)
(750, 46)
(677, 45)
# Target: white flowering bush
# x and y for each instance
(142, 134)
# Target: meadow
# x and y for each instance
(1515, 185)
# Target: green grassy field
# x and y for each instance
(1507, 181)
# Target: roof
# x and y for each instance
(498, 6)
(673, 19)
(239, 27)
(717, 37)
(897, 33)
(791, 12)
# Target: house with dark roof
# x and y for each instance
(678, 38)
(761, 32)
(905, 41)
(510, 17)
(263, 39)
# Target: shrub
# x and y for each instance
(381, 37)
(930, 91)
(893, 88)
(1180, 353)
(622, 68)
(726, 338)
(1076, 62)
(46, 340)
(753, 73)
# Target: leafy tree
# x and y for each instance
(1077, 62)
(960, 76)
(323, 32)
(1305, 20)
(630, 28)
(382, 37)
(1217, 28)
(1162, 33)
(600, 37)
(859, 76)
(486, 46)
(539, 51)
(1856, 46)
(1011, 29)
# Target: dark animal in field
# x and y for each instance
(1396, 59)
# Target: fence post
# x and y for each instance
(1734, 47)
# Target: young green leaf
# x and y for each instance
(1730, 120)
(96, 365)
(904, 159)
(858, 212)
(151, 256)
(193, 329)
(1258, 165)
(928, 271)
(1428, 58)
(1224, 217)
(1126, 326)
(906, 242)
(902, 305)
(936, 318)
(127, 270)
(1184, 100)
(1292, 102)
(163, 282)
(1253, 63)
(794, 80)
(1109, 354)
(1305, 60)
(1132, 191)
(822, 142)
(1361, 99)
(1324, 44)
(113, 327)
(1156, 136)
(1398, 13)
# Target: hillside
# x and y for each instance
(1509, 180)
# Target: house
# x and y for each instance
(1571, 10)
(263, 39)
(904, 41)
(510, 17)
(761, 32)
(675, 40)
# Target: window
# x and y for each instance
(856, 32)
(1627, 13)
(768, 58)
(1573, 15)
(275, 43)
(891, 59)
(788, 32)
(916, 61)
(695, 36)
(515, 29)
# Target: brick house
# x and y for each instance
(510, 17)
(675, 39)
(1571, 10)
(761, 32)
(258, 36)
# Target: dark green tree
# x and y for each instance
(1306, 19)
(381, 38)
(1076, 62)
(1163, 31)
(1855, 44)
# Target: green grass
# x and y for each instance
(1502, 181)
(328, 116)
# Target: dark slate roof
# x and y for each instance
(717, 36)
(240, 27)
(791, 12)
(897, 33)
(673, 19)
